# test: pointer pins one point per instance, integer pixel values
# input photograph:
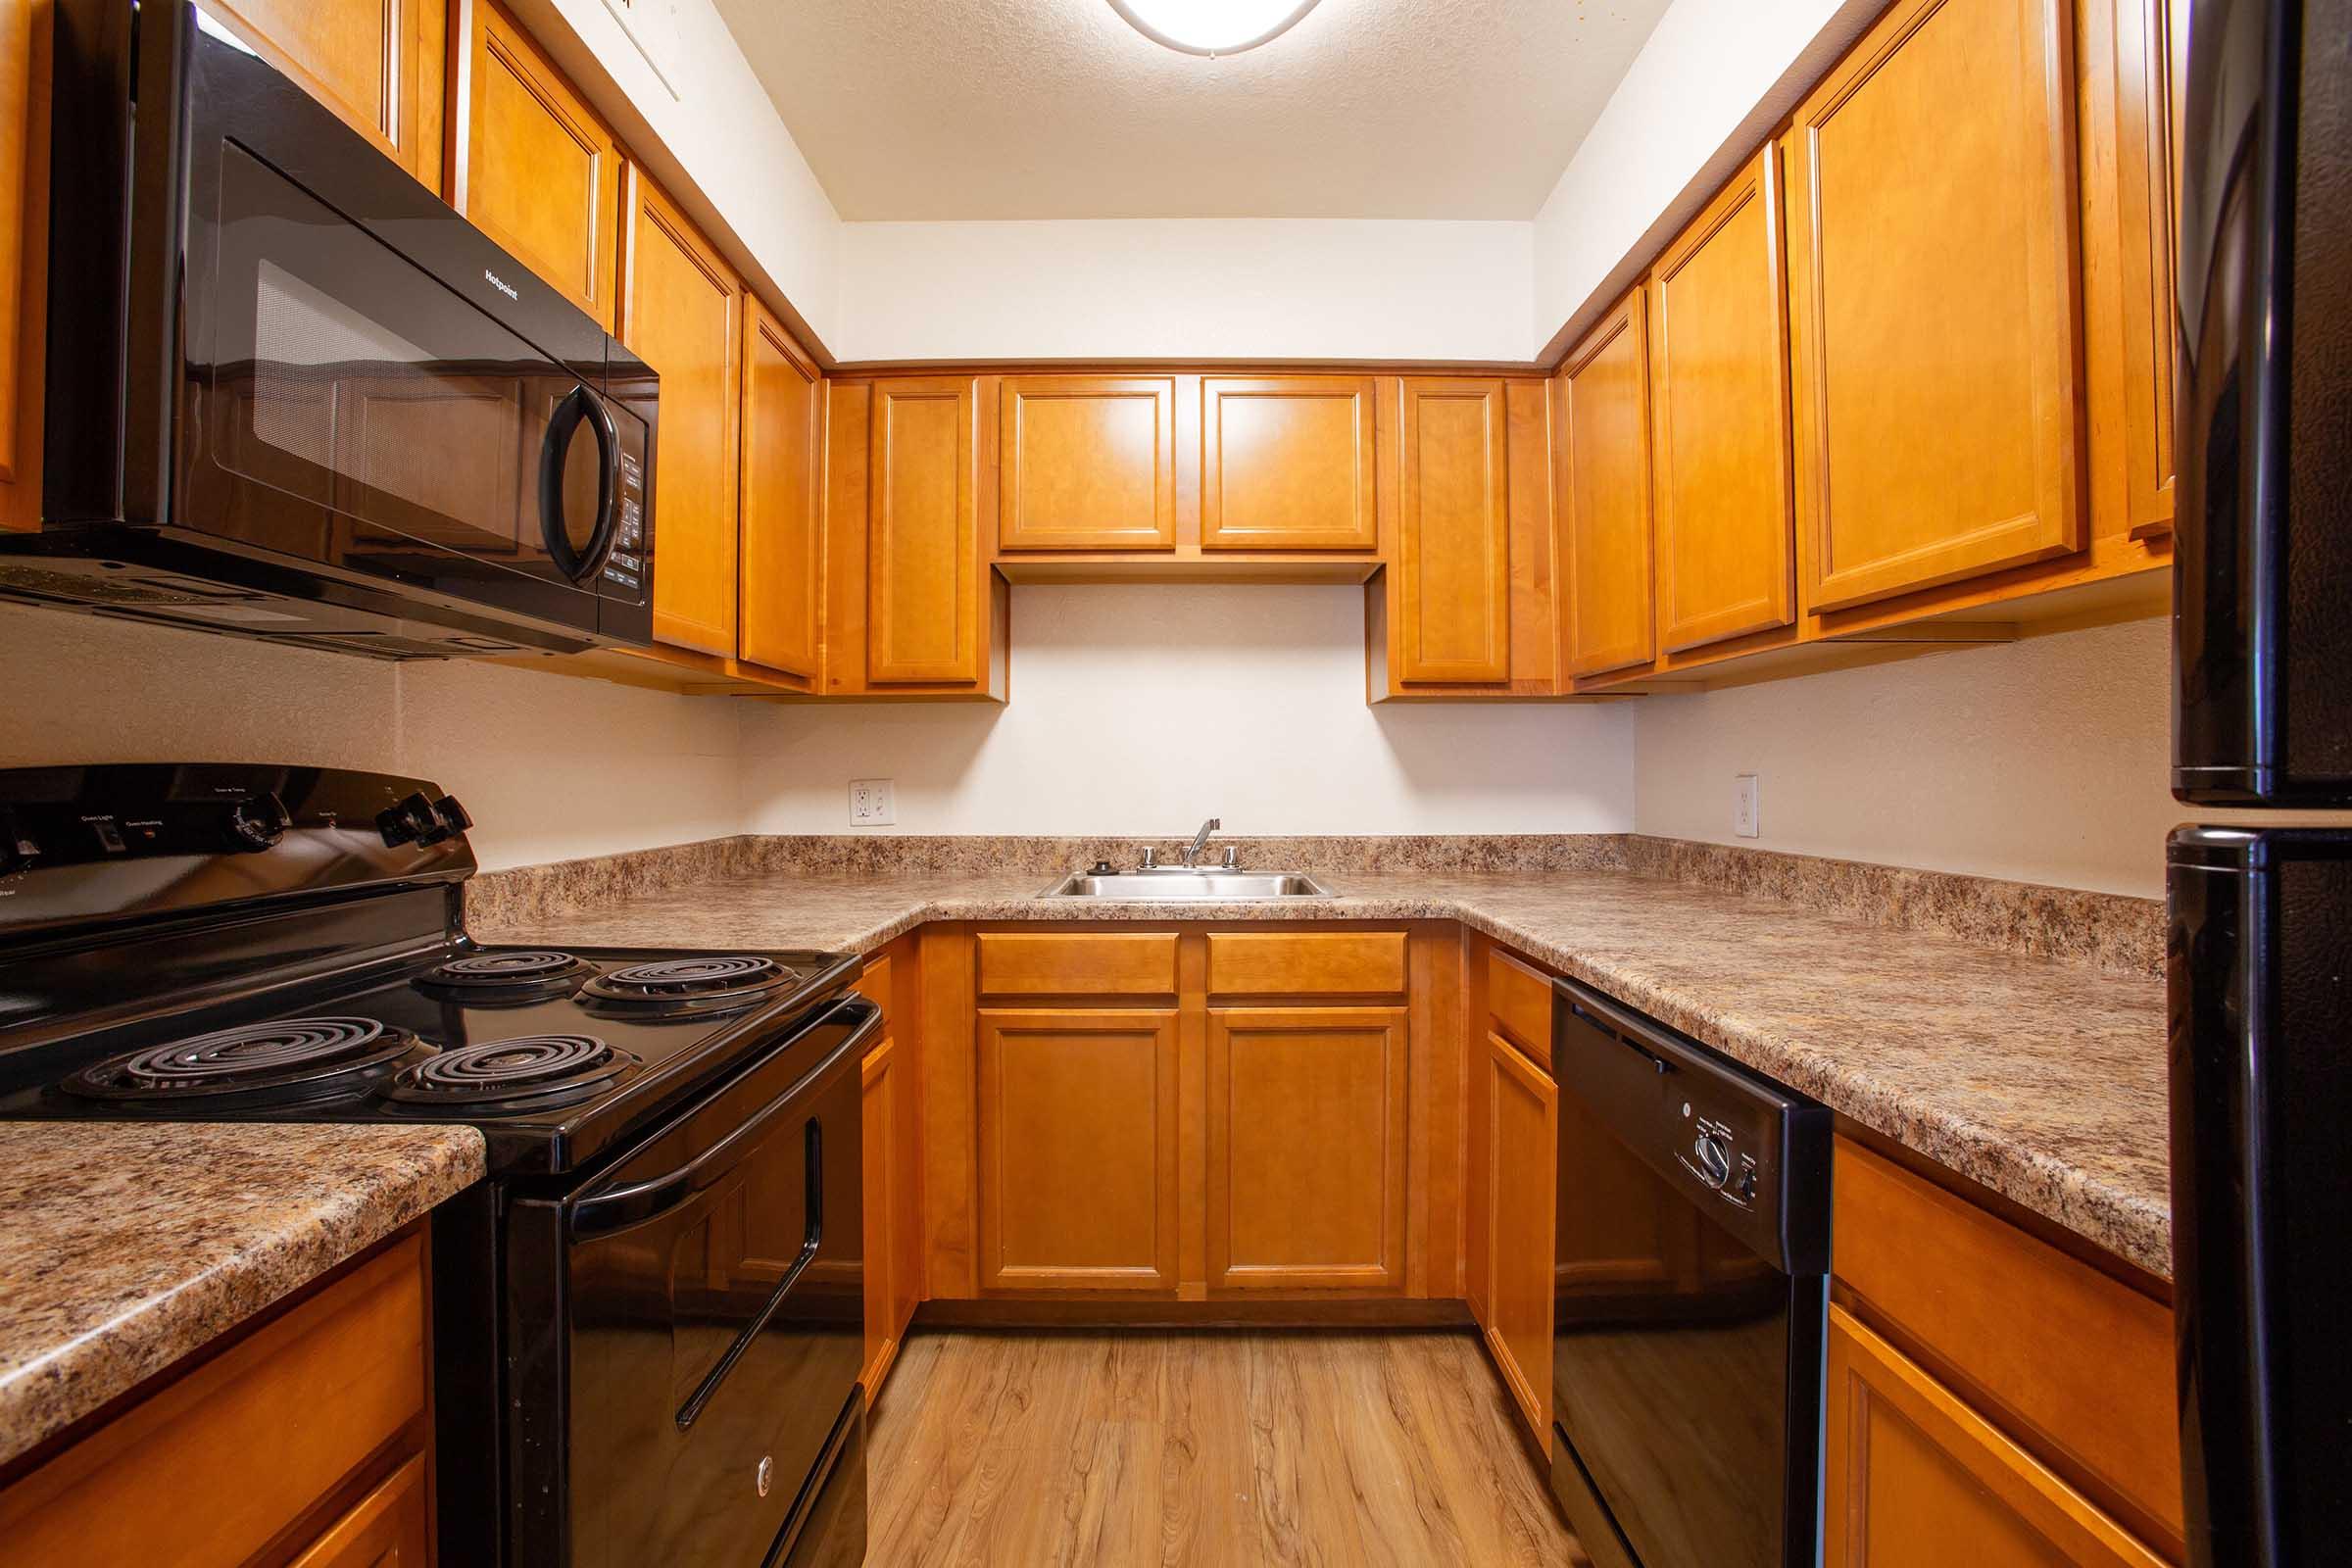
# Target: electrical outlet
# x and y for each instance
(1745, 807)
(872, 803)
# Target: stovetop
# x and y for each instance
(556, 1055)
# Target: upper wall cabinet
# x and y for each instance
(1287, 463)
(1933, 301)
(682, 315)
(924, 594)
(1086, 463)
(1601, 404)
(1719, 411)
(783, 474)
(1451, 569)
(378, 64)
(2150, 55)
(535, 168)
(24, 34)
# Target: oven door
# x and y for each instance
(714, 1318)
(370, 386)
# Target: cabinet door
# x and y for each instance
(536, 168)
(391, 1526)
(1306, 1149)
(1086, 463)
(2152, 56)
(1521, 1146)
(1718, 413)
(682, 315)
(1602, 406)
(24, 48)
(1286, 463)
(1078, 1149)
(924, 585)
(378, 64)
(1933, 305)
(1452, 572)
(783, 467)
(881, 1154)
(1917, 1479)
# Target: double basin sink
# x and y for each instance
(1170, 883)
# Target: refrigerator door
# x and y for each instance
(2262, 565)
(2260, 962)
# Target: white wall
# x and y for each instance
(1187, 288)
(550, 767)
(1145, 708)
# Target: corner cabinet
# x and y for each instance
(1601, 406)
(1933, 301)
(1086, 462)
(782, 581)
(682, 313)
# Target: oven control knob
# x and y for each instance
(1714, 1161)
(258, 823)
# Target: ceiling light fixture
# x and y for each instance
(1212, 27)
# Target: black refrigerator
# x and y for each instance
(2260, 953)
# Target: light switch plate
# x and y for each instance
(872, 803)
(1745, 807)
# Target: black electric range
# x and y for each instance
(648, 1319)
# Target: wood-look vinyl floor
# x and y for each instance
(1203, 1448)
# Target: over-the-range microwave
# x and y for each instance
(292, 395)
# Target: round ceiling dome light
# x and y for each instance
(1212, 27)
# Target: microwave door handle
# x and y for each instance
(578, 405)
(616, 1208)
(814, 1206)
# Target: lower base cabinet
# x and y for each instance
(880, 1083)
(1521, 1146)
(391, 1527)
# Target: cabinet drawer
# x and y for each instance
(1058, 963)
(2078, 1364)
(1520, 1000)
(1311, 963)
(218, 1465)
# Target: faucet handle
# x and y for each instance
(1233, 856)
(1151, 857)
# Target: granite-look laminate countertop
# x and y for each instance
(124, 1247)
(2039, 1078)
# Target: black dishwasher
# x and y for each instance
(1692, 1279)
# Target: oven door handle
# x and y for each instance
(601, 1213)
(814, 1205)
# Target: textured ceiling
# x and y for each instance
(999, 109)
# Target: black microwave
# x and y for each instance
(292, 395)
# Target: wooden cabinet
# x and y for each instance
(2151, 48)
(891, 1202)
(25, 31)
(1601, 407)
(1086, 462)
(1519, 1145)
(535, 168)
(1451, 577)
(380, 65)
(1307, 1152)
(782, 584)
(1287, 463)
(1719, 417)
(925, 603)
(1307, 964)
(1934, 303)
(1077, 963)
(1077, 1146)
(260, 1447)
(682, 315)
(879, 1122)
(1917, 1478)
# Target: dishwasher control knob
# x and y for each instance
(1714, 1161)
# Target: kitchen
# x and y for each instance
(1121, 782)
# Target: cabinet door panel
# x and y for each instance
(1078, 1149)
(783, 467)
(537, 170)
(2152, 56)
(682, 316)
(1718, 404)
(923, 570)
(1306, 1151)
(378, 64)
(1934, 298)
(1603, 413)
(1454, 591)
(1287, 463)
(1917, 1479)
(879, 1117)
(1522, 1144)
(392, 1527)
(1086, 463)
(25, 31)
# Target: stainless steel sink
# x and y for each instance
(1207, 883)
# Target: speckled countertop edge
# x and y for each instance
(126, 1247)
(2038, 1078)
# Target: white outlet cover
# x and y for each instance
(874, 803)
(1747, 806)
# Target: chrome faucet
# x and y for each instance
(1192, 853)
